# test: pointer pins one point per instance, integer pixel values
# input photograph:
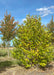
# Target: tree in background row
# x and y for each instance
(32, 42)
(8, 28)
(4, 44)
(50, 27)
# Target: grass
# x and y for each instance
(7, 64)
(4, 64)
(4, 52)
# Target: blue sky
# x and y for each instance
(20, 8)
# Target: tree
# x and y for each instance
(50, 27)
(8, 28)
(32, 42)
(4, 44)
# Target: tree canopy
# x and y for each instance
(8, 27)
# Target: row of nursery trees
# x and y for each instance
(30, 39)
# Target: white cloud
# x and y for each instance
(46, 11)
(24, 19)
(51, 7)
(42, 9)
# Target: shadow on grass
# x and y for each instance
(4, 65)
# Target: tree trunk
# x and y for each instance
(8, 48)
(8, 52)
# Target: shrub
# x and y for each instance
(32, 42)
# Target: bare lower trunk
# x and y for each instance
(8, 52)
(8, 49)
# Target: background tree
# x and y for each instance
(32, 42)
(50, 27)
(4, 44)
(0, 45)
(8, 28)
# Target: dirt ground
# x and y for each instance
(18, 70)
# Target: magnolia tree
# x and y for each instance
(8, 28)
(32, 42)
